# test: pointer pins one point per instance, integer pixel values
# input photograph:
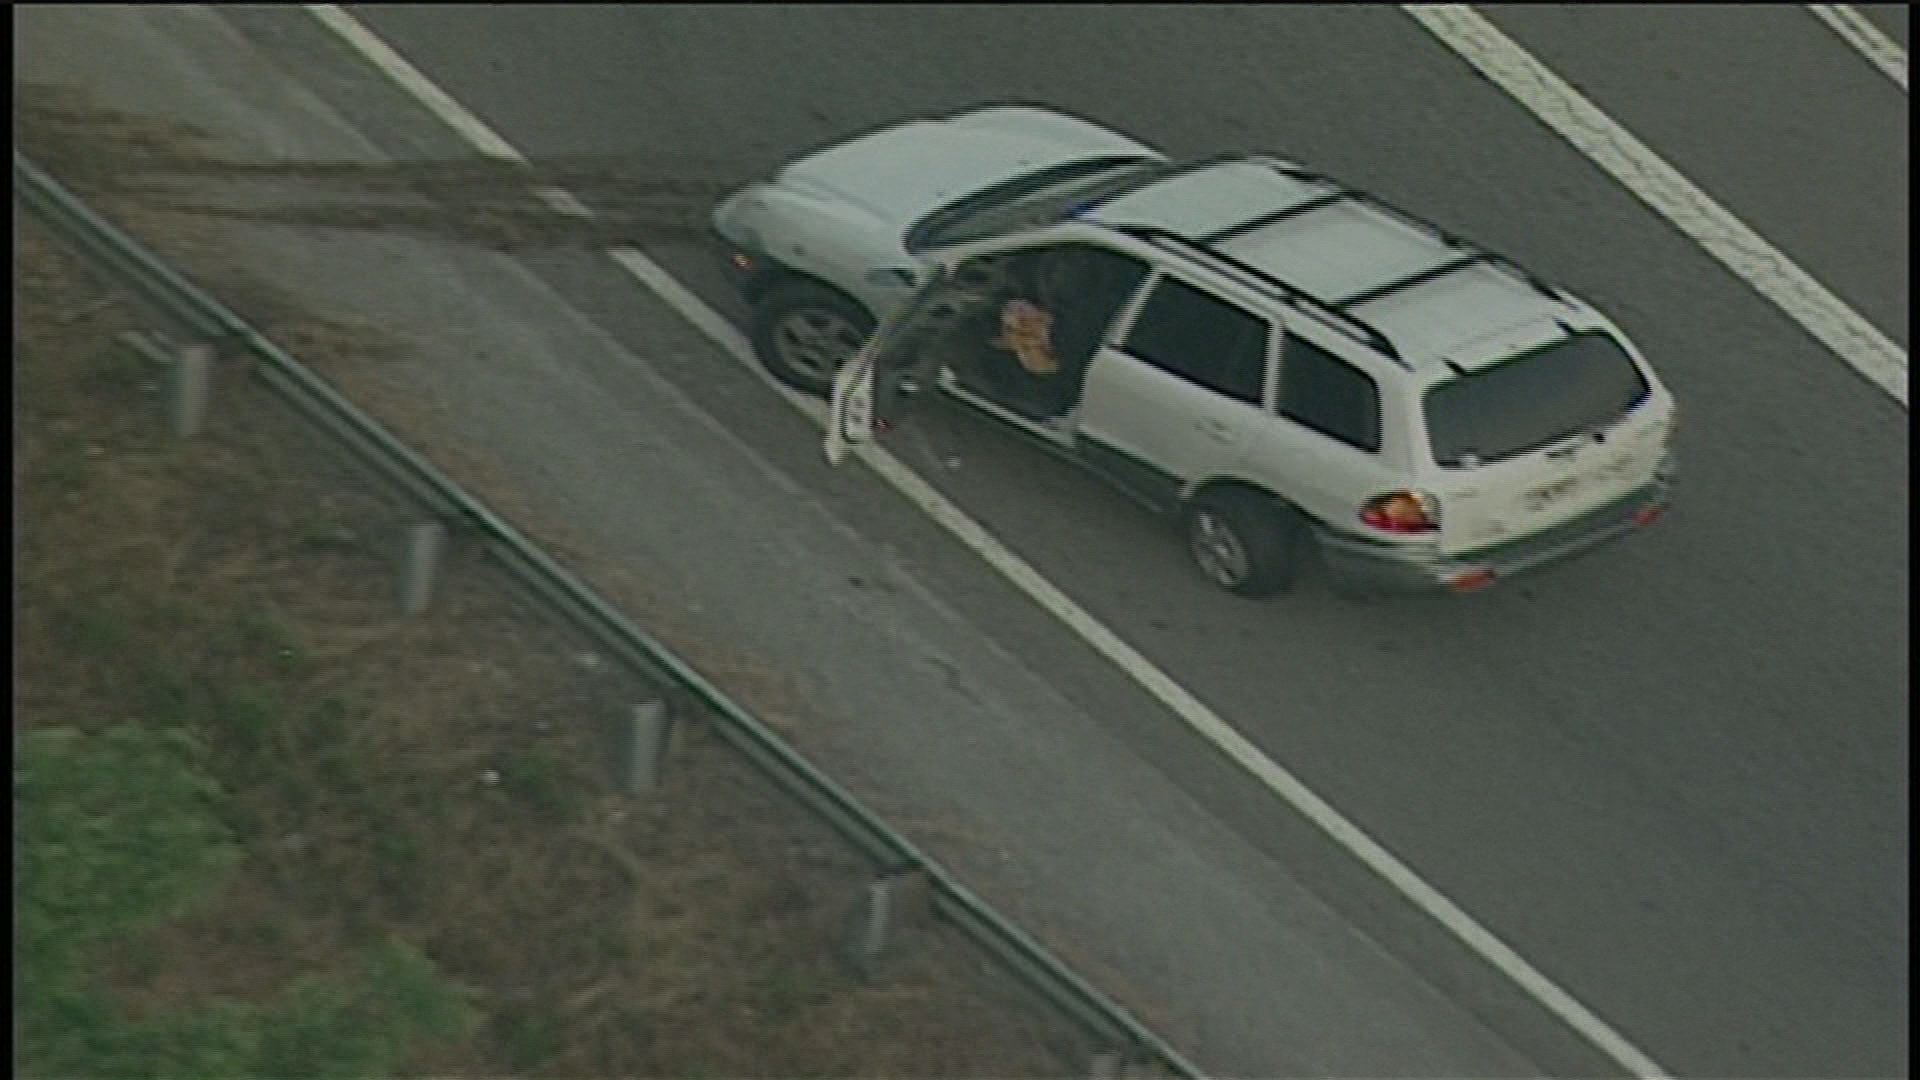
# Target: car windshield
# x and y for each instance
(1581, 383)
(1034, 199)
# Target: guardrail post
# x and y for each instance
(901, 897)
(422, 543)
(649, 726)
(188, 381)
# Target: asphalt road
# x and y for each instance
(1674, 775)
(1891, 21)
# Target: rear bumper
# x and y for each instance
(1401, 568)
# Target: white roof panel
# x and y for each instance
(1339, 250)
(1432, 318)
(1342, 249)
(1210, 199)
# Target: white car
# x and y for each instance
(1291, 364)
(835, 241)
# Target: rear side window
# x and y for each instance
(1320, 391)
(1202, 339)
(1578, 384)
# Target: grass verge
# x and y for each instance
(377, 845)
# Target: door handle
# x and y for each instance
(1215, 429)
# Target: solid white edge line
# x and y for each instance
(1044, 593)
(1869, 40)
(368, 44)
(1852, 338)
(561, 201)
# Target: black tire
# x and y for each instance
(803, 331)
(1245, 542)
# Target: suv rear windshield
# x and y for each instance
(1578, 384)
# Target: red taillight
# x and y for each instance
(1401, 512)
(1647, 515)
(1469, 580)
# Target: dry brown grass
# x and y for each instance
(441, 778)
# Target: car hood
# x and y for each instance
(898, 174)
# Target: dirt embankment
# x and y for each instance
(440, 781)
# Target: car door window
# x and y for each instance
(1080, 288)
(1320, 391)
(1203, 339)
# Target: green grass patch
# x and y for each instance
(65, 465)
(265, 636)
(544, 782)
(120, 831)
(243, 719)
(115, 831)
(529, 1035)
(164, 691)
(97, 628)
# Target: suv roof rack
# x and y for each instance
(1399, 284)
(1337, 313)
(1431, 273)
(1349, 324)
(1478, 254)
(1255, 224)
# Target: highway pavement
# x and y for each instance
(1673, 775)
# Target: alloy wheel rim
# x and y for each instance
(816, 342)
(1218, 550)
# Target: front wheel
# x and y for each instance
(1245, 543)
(803, 332)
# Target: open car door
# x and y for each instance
(907, 348)
(979, 321)
(850, 408)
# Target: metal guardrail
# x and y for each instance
(198, 313)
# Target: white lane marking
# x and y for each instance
(1670, 194)
(442, 105)
(1871, 42)
(1023, 576)
(561, 201)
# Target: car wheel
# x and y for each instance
(1245, 543)
(803, 332)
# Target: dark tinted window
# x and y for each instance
(1202, 339)
(1083, 287)
(1040, 197)
(1321, 391)
(1584, 382)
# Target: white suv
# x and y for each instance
(1290, 363)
